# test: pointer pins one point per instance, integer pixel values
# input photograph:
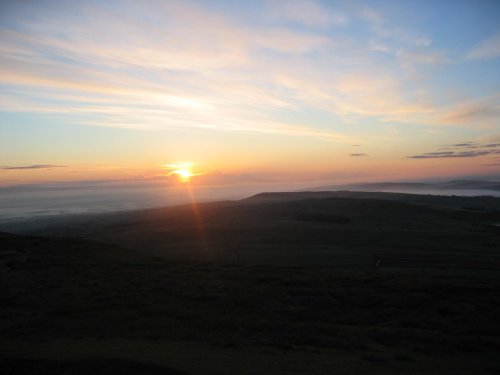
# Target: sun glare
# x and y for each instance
(180, 170)
(183, 174)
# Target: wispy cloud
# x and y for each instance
(35, 166)
(358, 154)
(174, 65)
(377, 45)
(483, 111)
(487, 49)
(198, 83)
(384, 30)
(463, 154)
(421, 56)
(465, 144)
(457, 151)
(371, 15)
(306, 12)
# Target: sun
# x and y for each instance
(183, 174)
(180, 170)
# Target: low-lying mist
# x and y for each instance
(28, 201)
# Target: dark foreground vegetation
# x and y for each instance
(193, 306)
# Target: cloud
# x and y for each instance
(465, 144)
(483, 111)
(177, 65)
(487, 139)
(422, 56)
(480, 149)
(463, 154)
(377, 45)
(306, 12)
(488, 49)
(196, 81)
(380, 27)
(359, 95)
(418, 61)
(360, 154)
(35, 166)
(371, 15)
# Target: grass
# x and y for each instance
(300, 296)
(280, 307)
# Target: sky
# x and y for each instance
(298, 90)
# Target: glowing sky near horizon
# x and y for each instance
(279, 90)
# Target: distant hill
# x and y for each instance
(341, 229)
(477, 203)
(417, 186)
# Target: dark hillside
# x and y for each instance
(70, 306)
(362, 283)
(336, 229)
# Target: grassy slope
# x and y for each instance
(433, 307)
(268, 229)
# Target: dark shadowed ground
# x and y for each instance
(276, 284)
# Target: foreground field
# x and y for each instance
(74, 306)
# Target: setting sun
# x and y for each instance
(181, 170)
(183, 174)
